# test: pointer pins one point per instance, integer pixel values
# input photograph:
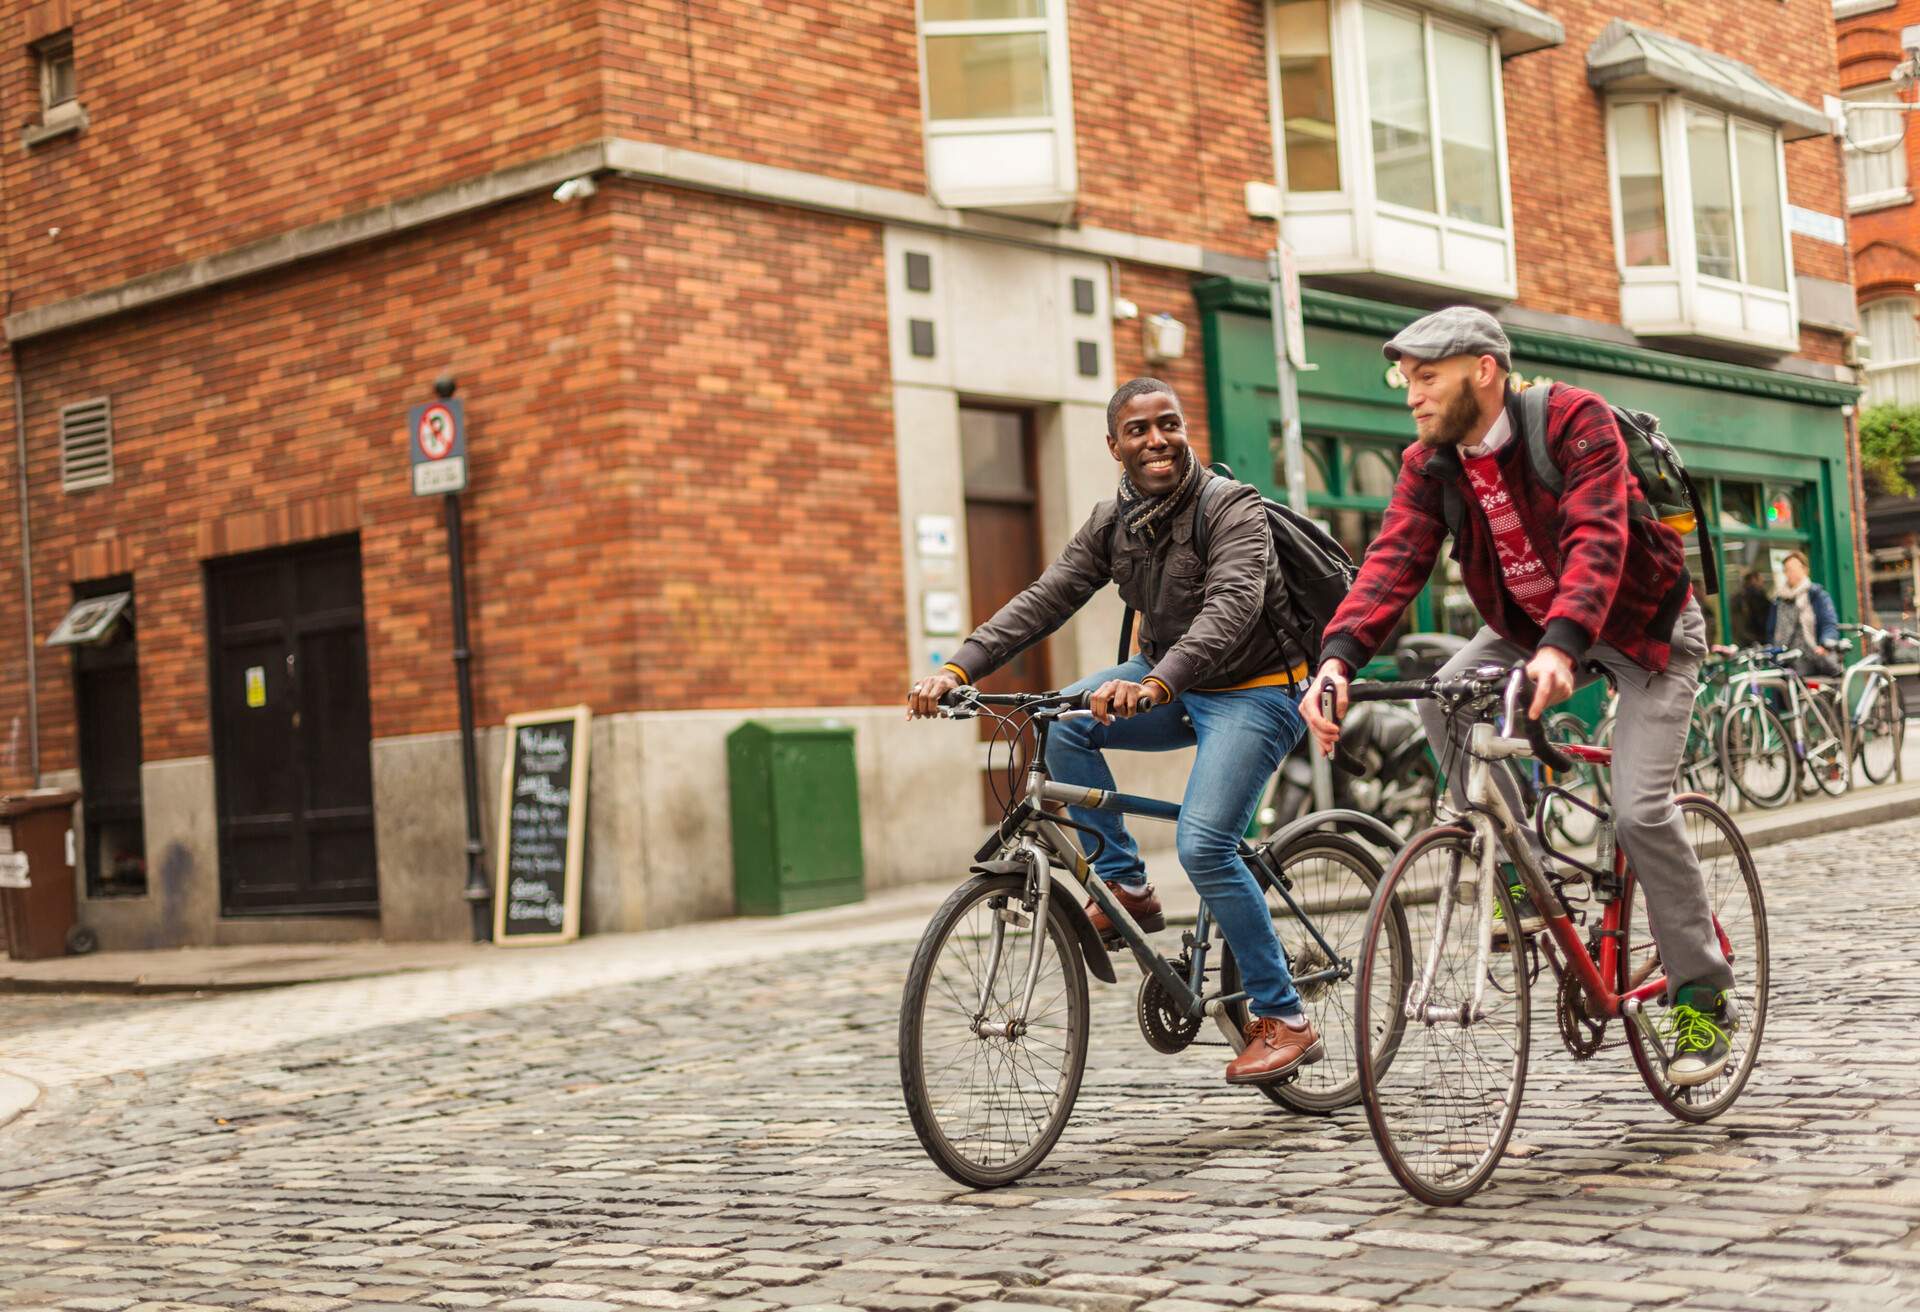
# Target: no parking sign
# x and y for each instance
(437, 444)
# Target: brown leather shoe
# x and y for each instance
(1143, 906)
(1274, 1051)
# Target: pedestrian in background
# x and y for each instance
(1803, 617)
(1753, 610)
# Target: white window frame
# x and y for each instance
(1053, 201)
(1900, 195)
(1881, 377)
(1340, 232)
(1848, 8)
(1758, 325)
(57, 118)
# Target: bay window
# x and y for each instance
(1893, 374)
(998, 105)
(1391, 135)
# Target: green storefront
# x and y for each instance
(1768, 449)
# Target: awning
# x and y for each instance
(1521, 28)
(1630, 58)
(90, 620)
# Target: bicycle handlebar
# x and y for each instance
(1512, 682)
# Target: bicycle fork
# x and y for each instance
(1040, 892)
(1473, 1007)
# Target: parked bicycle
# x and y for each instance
(994, 1020)
(1443, 1099)
(1872, 711)
(1780, 728)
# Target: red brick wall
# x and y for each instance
(1886, 242)
(1556, 143)
(1158, 291)
(278, 407)
(217, 122)
(762, 456)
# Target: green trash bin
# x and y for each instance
(796, 816)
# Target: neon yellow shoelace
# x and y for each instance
(1694, 1030)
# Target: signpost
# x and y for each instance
(437, 449)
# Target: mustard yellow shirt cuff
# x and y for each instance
(1166, 693)
(958, 673)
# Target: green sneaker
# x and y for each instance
(1531, 921)
(1698, 1024)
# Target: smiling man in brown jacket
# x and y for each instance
(1211, 673)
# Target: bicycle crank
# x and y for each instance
(1162, 1024)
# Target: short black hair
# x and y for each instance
(1129, 390)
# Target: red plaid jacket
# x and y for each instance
(1622, 573)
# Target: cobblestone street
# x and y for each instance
(735, 1139)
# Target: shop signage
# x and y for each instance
(543, 814)
(437, 446)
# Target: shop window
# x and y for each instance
(999, 105)
(1893, 372)
(100, 632)
(1875, 149)
(1739, 505)
(1394, 149)
(1699, 190)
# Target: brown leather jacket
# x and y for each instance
(1201, 622)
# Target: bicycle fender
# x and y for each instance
(1068, 911)
(1371, 827)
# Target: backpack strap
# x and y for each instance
(1200, 534)
(1533, 427)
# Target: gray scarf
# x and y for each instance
(1145, 516)
(1793, 617)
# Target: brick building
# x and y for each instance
(809, 376)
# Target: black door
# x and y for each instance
(292, 731)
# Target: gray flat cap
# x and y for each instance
(1456, 330)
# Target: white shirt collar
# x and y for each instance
(1495, 439)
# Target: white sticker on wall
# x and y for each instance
(936, 534)
(940, 614)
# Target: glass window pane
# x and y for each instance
(1374, 472)
(1318, 464)
(973, 11)
(974, 77)
(1876, 157)
(1761, 219)
(1467, 148)
(1306, 95)
(993, 453)
(1397, 105)
(1891, 329)
(1782, 506)
(1643, 198)
(1712, 194)
(1739, 505)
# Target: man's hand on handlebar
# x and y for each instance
(1118, 699)
(1331, 681)
(923, 699)
(1551, 673)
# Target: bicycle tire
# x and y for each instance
(922, 977)
(1882, 732)
(1751, 733)
(1727, 891)
(1827, 761)
(1401, 1087)
(1334, 1081)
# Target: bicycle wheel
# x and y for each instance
(1442, 1103)
(1826, 759)
(1757, 755)
(1700, 767)
(1882, 728)
(1733, 891)
(988, 1104)
(1575, 827)
(1333, 879)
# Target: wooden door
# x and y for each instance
(1003, 548)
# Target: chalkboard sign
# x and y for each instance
(543, 823)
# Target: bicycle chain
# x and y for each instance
(1581, 1031)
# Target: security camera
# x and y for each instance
(574, 189)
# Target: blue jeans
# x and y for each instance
(1241, 737)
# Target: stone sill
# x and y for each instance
(1889, 201)
(61, 121)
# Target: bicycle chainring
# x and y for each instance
(1161, 1023)
(1580, 1030)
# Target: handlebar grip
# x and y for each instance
(1549, 755)
(1390, 691)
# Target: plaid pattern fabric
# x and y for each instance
(1621, 574)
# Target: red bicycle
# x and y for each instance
(1443, 1092)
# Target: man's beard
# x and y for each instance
(1460, 417)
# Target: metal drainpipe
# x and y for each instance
(26, 566)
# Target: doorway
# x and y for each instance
(292, 731)
(1003, 548)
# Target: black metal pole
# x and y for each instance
(479, 892)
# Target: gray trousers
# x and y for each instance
(1649, 739)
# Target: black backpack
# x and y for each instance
(1315, 573)
(1652, 462)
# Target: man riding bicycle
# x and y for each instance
(1209, 674)
(1587, 574)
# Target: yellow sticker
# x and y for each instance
(256, 686)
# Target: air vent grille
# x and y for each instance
(86, 445)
